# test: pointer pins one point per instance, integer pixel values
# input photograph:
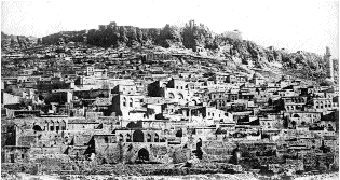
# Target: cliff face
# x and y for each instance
(113, 36)
(196, 36)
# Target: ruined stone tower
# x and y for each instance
(329, 63)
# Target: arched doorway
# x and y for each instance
(194, 102)
(143, 155)
(171, 95)
(37, 128)
(296, 115)
(138, 136)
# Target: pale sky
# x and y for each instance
(307, 25)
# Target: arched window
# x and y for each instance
(180, 96)
(52, 126)
(148, 138)
(121, 138)
(171, 95)
(63, 125)
(128, 138)
(47, 126)
(131, 102)
(156, 138)
(124, 102)
(57, 126)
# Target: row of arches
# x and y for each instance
(218, 103)
(323, 104)
(287, 108)
(125, 102)
(50, 126)
(297, 100)
(138, 136)
(172, 96)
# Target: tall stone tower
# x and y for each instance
(191, 23)
(330, 64)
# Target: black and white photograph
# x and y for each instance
(170, 90)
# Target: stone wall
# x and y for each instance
(114, 152)
(217, 150)
(180, 155)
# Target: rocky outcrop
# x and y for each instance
(192, 36)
